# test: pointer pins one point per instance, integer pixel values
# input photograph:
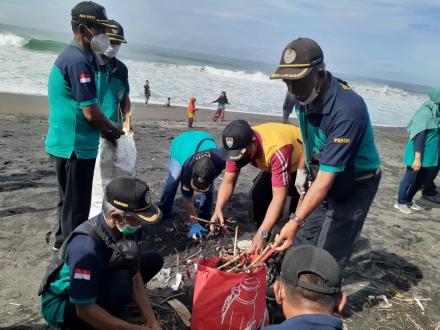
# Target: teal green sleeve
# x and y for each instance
(82, 301)
(331, 169)
(88, 102)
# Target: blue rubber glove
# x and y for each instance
(196, 231)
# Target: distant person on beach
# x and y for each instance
(191, 111)
(276, 150)
(101, 267)
(422, 152)
(289, 104)
(340, 161)
(221, 101)
(75, 118)
(195, 162)
(309, 290)
(147, 92)
(168, 102)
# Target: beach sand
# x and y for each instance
(396, 253)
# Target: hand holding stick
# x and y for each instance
(209, 222)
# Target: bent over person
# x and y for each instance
(195, 162)
(340, 154)
(100, 267)
(276, 150)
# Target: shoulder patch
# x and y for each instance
(344, 86)
(341, 140)
(82, 274)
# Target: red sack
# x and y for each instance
(228, 301)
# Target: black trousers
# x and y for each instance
(260, 197)
(429, 188)
(75, 177)
(335, 225)
(116, 290)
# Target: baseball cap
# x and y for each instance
(236, 136)
(203, 172)
(115, 33)
(89, 11)
(133, 195)
(298, 59)
(311, 259)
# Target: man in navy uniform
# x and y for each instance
(100, 267)
(76, 119)
(340, 156)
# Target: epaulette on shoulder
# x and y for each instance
(344, 84)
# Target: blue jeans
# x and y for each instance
(170, 189)
(411, 183)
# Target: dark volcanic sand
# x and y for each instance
(396, 252)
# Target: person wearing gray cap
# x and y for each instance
(340, 172)
(309, 290)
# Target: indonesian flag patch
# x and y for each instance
(84, 78)
(82, 274)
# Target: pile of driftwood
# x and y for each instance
(244, 262)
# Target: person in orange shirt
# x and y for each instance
(191, 111)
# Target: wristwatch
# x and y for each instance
(297, 219)
(263, 234)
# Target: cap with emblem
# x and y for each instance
(203, 172)
(89, 11)
(115, 33)
(311, 259)
(236, 136)
(133, 195)
(298, 59)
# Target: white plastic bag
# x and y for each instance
(112, 162)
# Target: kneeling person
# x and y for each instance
(195, 162)
(309, 290)
(100, 268)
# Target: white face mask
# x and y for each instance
(100, 43)
(112, 51)
(313, 94)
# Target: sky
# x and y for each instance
(387, 39)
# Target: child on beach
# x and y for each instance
(168, 102)
(421, 153)
(147, 92)
(219, 115)
(191, 111)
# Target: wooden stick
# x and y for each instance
(257, 259)
(206, 221)
(235, 241)
(237, 257)
(171, 297)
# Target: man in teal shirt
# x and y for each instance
(75, 118)
(340, 156)
(116, 103)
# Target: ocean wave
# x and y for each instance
(256, 76)
(383, 90)
(9, 39)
